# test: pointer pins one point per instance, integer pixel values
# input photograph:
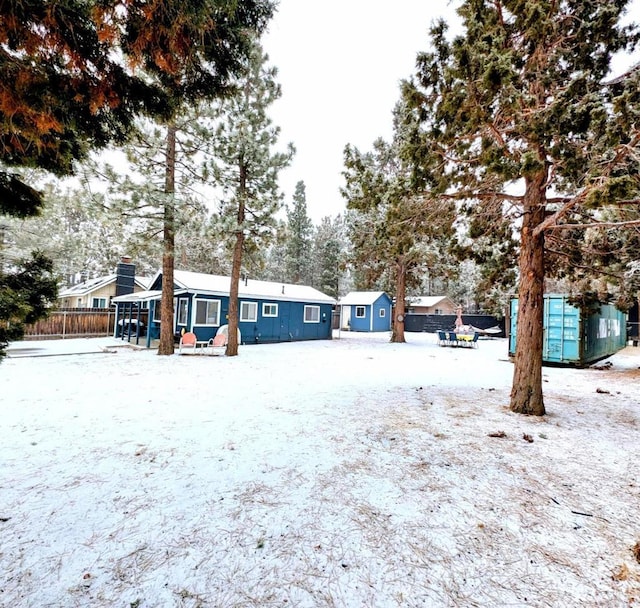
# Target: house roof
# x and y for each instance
(212, 284)
(91, 285)
(362, 298)
(429, 301)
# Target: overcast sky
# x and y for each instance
(340, 63)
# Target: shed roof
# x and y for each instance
(361, 298)
(201, 283)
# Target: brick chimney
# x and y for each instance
(125, 275)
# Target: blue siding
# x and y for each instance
(288, 326)
(372, 321)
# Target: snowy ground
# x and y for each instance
(344, 473)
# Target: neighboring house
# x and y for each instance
(431, 305)
(268, 311)
(98, 293)
(366, 311)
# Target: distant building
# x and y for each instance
(431, 305)
(99, 292)
(366, 311)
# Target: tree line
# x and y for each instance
(513, 162)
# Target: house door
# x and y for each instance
(285, 334)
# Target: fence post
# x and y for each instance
(64, 324)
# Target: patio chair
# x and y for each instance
(217, 345)
(188, 343)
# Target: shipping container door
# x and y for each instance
(562, 336)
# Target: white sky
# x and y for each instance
(340, 63)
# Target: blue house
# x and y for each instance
(267, 311)
(366, 311)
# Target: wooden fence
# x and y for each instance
(74, 322)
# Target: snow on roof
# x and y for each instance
(87, 286)
(365, 298)
(98, 283)
(249, 288)
(140, 296)
(429, 301)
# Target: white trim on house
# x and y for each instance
(208, 317)
(248, 312)
(314, 316)
(269, 309)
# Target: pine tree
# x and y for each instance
(392, 221)
(74, 75)
(299, 230)
(246, 168)
(519, 115)
(329, 256)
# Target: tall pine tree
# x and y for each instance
(519, 116)
(247, 168)
(299, 230)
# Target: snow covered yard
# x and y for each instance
(344, 473)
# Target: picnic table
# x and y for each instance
(452, 338)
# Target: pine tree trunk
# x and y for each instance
(397, 333)
(232, 344)
(526, 391)
(166, 346)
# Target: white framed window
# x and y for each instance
(183, 306)
(269, 310)
(99, 303)
(249, 311)
(383, 313)
(360, 312)
(311, 314)
(207, 312)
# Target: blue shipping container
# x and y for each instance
(571, 337)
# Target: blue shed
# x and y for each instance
(267, 311)
(572, 337)
(366, 311)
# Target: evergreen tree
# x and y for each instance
(329, 256)
(26, 293)
(518, 116)
(246, 168)
(299, 231)
(275, 263)
(74, 75)
(392, 222)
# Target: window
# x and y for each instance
(312, 314)
(207, 312)
(99, 303)
(383, 313)
(183, 305)
(157, 307)
(248, 311)
(360, 312)
(269, 310)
